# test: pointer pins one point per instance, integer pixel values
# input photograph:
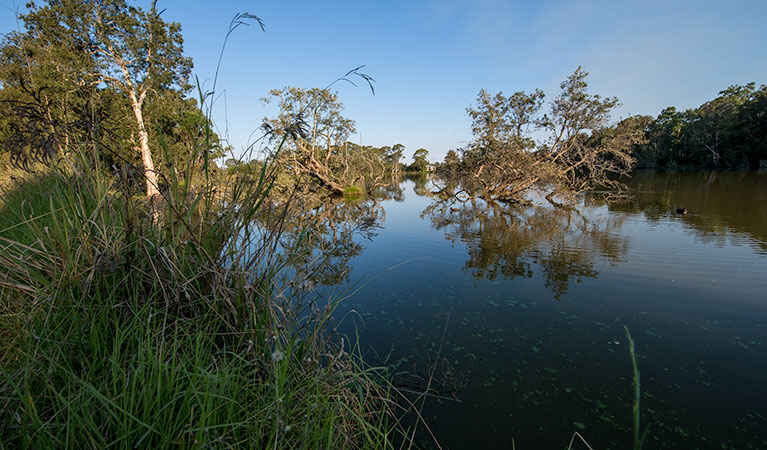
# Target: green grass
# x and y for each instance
(353, 191)
(122, 330)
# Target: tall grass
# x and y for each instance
(122, 330)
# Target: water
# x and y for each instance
(520, 314)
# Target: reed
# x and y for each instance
(639, 437)
(123, 328)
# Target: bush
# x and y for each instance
(353, 191)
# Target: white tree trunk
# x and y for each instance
(150, 174)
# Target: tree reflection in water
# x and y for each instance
(722, 205)
(321, 236)
(514, 240)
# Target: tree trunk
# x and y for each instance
(152, 191)
(321, 173)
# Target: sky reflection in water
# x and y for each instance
(537, 298)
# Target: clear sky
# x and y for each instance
(430, 58)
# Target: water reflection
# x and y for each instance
(391, 191)
(534, 370)
(560, 245)
(722, 206)
(321, 236)
(471, 295)
(517, 241)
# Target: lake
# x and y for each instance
(517, 314)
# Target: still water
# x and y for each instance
(520, 313)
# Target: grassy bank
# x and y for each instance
(123, 330)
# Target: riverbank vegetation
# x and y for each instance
(165, 318)
(728, 132)
(318, 153)
(123, 330)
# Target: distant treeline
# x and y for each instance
(729, 131)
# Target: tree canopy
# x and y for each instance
(729, 131)
(504, 161)
(318, 148)
(105, 74)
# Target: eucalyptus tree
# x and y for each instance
(628, 135)
(728, 131)
(182, 130)
(452, 159)
(420, 160)
(451, 164)
(574, 114)
(124, 47)
(664, 137)
(500, 123)
(319, 147)
(750, 136)
(715, 128)
(496, 164)
(504, 162)
(312, 118)
(392, 156)
(46, 103)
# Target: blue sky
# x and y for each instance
(430, 58)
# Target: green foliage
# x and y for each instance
(499, 123)
(29, 201)
(450, 166)
(170, 333)
(583, 151)
(728, 131)
(91, 75)
(420, 161)
(626, 136)
(319, 150)
(452, 158)
(504, 162)
(45, 103)
(116, 43)
(353, 191)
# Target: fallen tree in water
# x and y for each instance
(318, 151)
(504, 163)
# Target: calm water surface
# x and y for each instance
(532, 303)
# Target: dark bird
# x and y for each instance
(681, 210)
